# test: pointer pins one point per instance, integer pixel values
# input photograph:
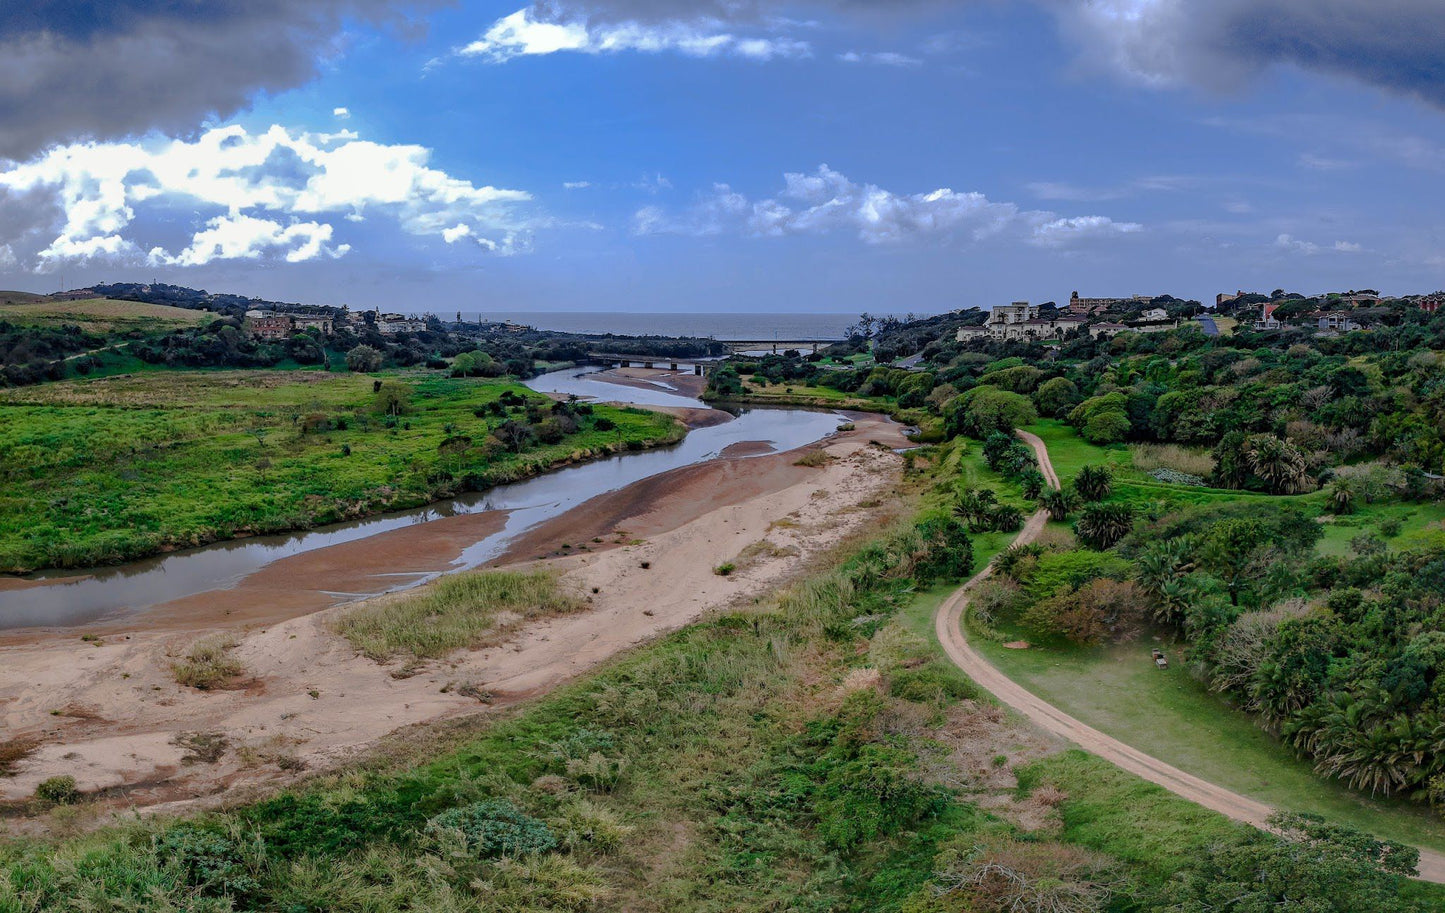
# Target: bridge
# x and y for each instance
(658, 362)
(778, 346)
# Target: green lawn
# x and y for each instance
(115, 468)
(1172, 716)
(1069, 452)
(1416, 521)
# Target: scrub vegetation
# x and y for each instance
(111, 469)
(460, 610)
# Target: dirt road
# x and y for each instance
(1216, 798)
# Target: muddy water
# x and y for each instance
(122, 592)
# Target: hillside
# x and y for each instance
(14, 297)
(99, 315)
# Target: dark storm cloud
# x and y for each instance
(72, 69)
(1398, 45)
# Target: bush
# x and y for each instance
(495, 827)
(930, 683)
(363, 360)
(209, 663)
(724, 569)
(211, 862)
(60, 790)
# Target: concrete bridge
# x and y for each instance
(658, 362)
(778, 346)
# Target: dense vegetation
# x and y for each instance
(802, 755)
(1243, 453)
(111, 469)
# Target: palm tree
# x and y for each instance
(1006, 518)
(1032, 482)
(974, 506)
(1159, 568)
(1281, 465)
(1101, 526)
(1342, 496)
(1093, 483)
(1011, 561)
(1058, 503)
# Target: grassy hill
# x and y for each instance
(98, 315)
(14, 297)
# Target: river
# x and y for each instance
(74, 598)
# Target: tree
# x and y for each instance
(1101, 526)
(1158, 568)
(1099, 611)
(1093, 483)
(1056, 397)
(985, 409)
(1107, 427)
(363, 359)
(392, 398)
(1306, 866)
(1058, 503)
(514, 435)
(1279, 464)
(1032, 482)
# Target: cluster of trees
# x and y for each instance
(29, 355)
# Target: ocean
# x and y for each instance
(753, 327)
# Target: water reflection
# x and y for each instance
(73, 598)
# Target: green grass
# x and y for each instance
(208, 663)
(103, 315)
(1416, 521)
(459, 610)
(1069, 452)
(110, 469)
(1173, 717)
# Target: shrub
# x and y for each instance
(724, 569)
(363, 359)
(814, 458)
(930, 683)
(495, 827)
(209, 663)
(61, 790)
(213, 863)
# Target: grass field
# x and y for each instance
(1170, 715)
(110, 469)
(14, 297)
(103, 315)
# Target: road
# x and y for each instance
(947, 625)
(1210, 327)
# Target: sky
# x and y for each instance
(723, 155)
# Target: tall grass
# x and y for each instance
(462, 610)
(1193, 461)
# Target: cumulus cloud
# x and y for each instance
(826, 201)
(110, 68)
(251, 195)
(341, 113)
(532, 32)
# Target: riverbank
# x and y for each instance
(115, 469)
(107, 711)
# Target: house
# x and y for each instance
(1086, 307)
(313, 322)
(1017, 312)
(1106, 329)
(967, 333)
(1337, 322)
(1224, 297)
(394, 324)
(265, 325)
(1020, 320)
(1154, 315)
(1430, 303)
(1266, 319)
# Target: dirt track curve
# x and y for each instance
(950, 635)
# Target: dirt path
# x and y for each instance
(947, 625)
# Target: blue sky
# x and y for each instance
(712, 156)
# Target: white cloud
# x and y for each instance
(341, 113)
(248, 238)
(1296, 246)
(265, 193)
(880, 58)
(523, 34)
(576, 185)
(826, 201)
(1348, 247)
(8, 260)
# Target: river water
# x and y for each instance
(71, 598)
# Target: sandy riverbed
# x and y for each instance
(109, 713)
